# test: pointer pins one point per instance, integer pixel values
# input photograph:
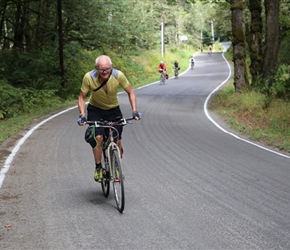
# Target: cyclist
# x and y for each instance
(176, 68)
(162, 68)
(209, 49)
(103, 83)
(192, 60)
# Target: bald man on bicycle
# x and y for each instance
(103, 83)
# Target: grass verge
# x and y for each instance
(250, 114)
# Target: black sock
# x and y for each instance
(98, 165)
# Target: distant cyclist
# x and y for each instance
(176, 68)
(162, 68)
(192, 61)
(209, 50)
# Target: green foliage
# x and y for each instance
(280, 86)
(285, 48)
(36, 70)
(15, 101)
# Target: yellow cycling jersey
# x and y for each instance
(100, 98)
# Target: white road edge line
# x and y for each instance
(225, 131)
(9, 159)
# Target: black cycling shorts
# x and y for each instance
(97, 114)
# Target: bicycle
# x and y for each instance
(192, 65)
(112, 168)
(210, 51)
(162, 77)
(176, 72)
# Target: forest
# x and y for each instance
(46, 46)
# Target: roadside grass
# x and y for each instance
(151, 59)
(249, 114)
(11, 126)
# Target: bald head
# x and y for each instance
(103, 61)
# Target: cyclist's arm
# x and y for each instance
(132, 97)
(82, 103)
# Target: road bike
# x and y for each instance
(176, 72)
(112, 167)
(210, 51)
(192, 65)
(162, 77)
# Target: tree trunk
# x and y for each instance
(17, 38)
(255, 39)
(238, 41)
(3, 30)
(272, 9)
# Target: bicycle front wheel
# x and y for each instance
(118, 181)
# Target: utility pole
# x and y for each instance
(201, 38)
(212, 29)
(163, 20)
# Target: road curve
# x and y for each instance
(188, 184)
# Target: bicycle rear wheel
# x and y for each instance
(118, 181)
(162, 79)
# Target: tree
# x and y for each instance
(272, 9)
(238, 41)
(254, 39)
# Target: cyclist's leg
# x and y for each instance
(119, 140)
(116, 114)
(119, 144)
(97, 151)
(95, 114)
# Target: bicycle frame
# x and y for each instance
(110, 145)
(162, 77)
(176, 72)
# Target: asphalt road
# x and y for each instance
(188, 184)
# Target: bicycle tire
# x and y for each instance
(162, 79)
(118, 183)
(106, 182)
(176, 74)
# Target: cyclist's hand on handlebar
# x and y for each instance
(136, 115)
(81, 121)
